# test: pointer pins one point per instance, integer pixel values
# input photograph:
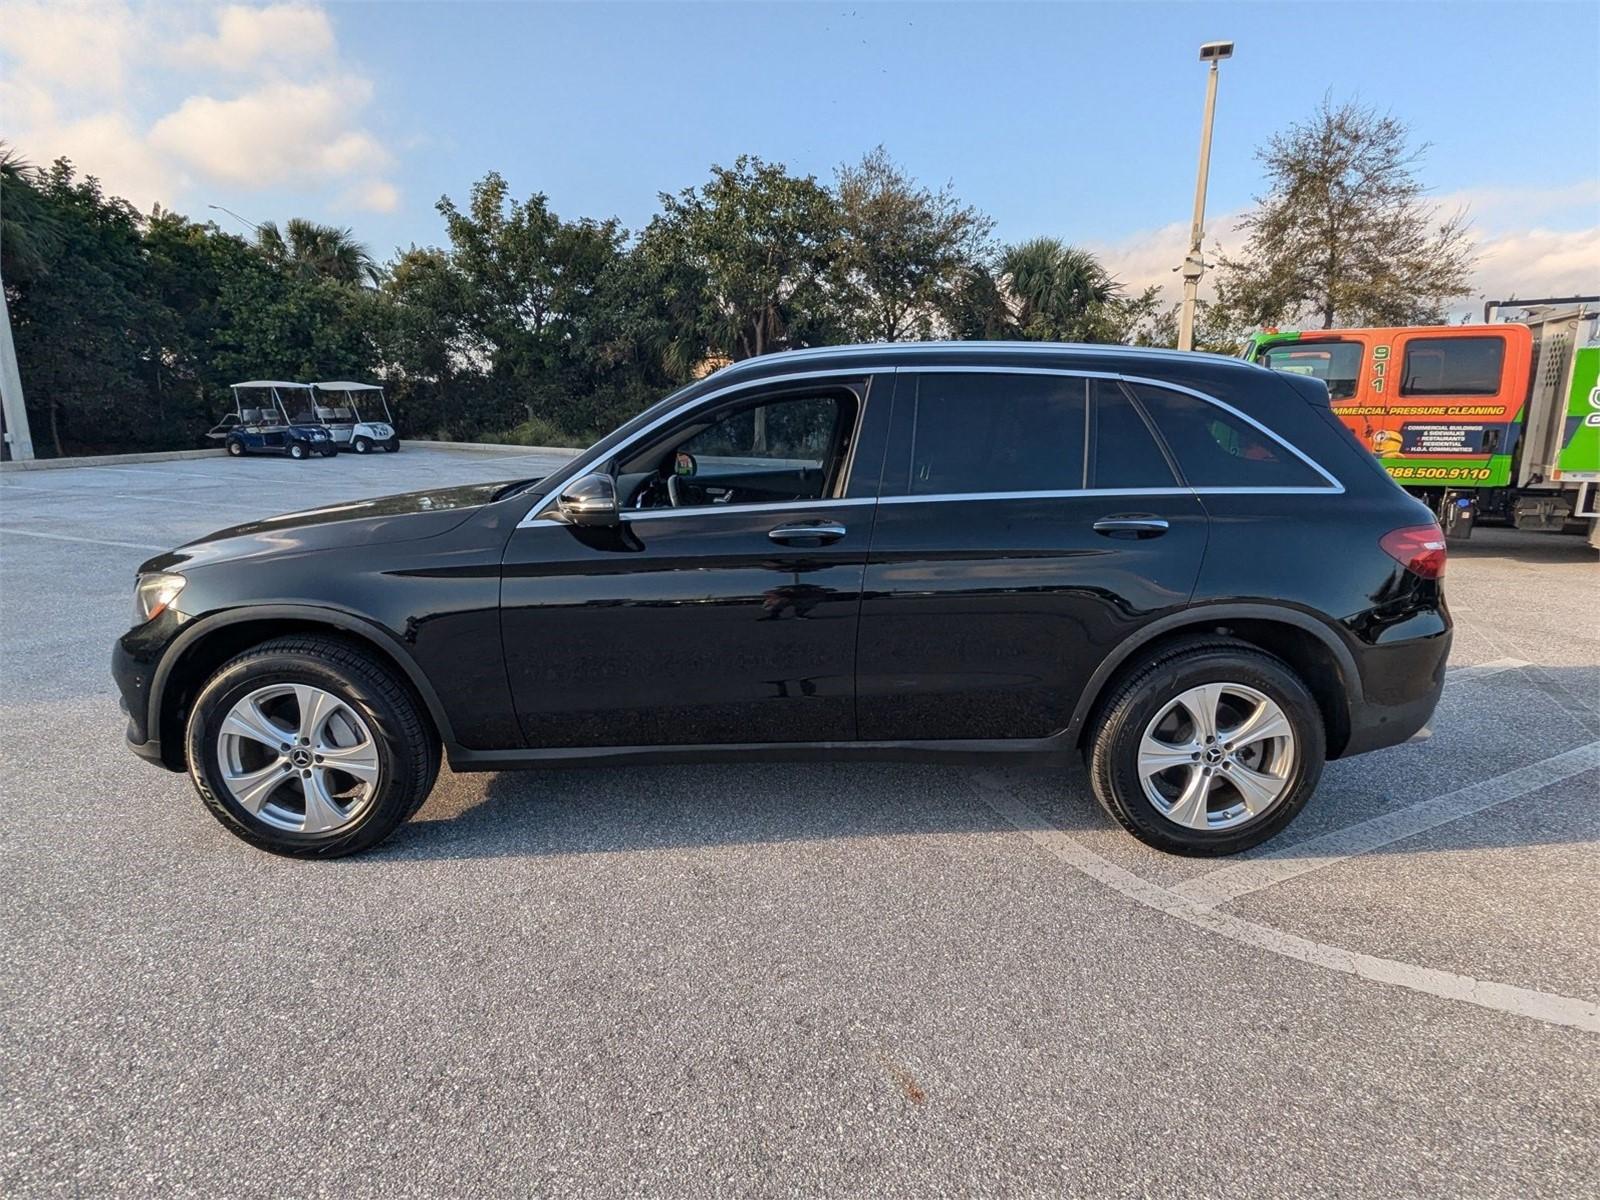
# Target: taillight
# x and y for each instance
(1419, 549)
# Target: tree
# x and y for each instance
(317, 251)
(79, 307)
(746, 258)
(1344, 234)
(904, 250)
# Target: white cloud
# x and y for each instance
(374, 195)
(1151, 256)
(245, 37)
(1517, 255)
(279, 133)
(1538, 262)
(82, 47)
(268, 100)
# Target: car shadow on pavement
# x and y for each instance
(612, 810)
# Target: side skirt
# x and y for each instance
(1050, 751)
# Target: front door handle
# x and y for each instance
(1135, 526)
(818, 534)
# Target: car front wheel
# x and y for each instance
(297, 450)
(361, 445)
(1211, 748)
(309, 747)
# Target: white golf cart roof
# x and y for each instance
(339, 385)
(269, 383)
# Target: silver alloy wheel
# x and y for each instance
(298, 758)
(1216, 757)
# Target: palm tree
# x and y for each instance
(28, 232)
(1055, 292)
(322, 251)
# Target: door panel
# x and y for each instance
(686, 626)
(984, 618)
(985, 613)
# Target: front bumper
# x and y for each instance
(133, 661)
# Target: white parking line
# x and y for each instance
(1228, 884)
(1482, 670)
(63, 537)
(1501, 997)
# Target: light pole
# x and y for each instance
(236, 216)
(1194, 266)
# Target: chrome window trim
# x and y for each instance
(1085, 493)
(533, 517)
(694, 510)
(1334, 486)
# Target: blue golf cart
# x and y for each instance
(260, 424)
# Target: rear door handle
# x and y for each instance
(1138, 526)
(818, 534)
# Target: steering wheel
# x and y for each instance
(674, 495)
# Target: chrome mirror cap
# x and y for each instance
(591, 500)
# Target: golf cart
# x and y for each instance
(338, 408)
(260, 424)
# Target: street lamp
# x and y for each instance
(236, 216)
(1193, 265)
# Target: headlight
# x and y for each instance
(153, 593)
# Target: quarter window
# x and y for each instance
(1216, 449)
(997, 432)
(1455, 366)
(1338, 364)
(1126, 454)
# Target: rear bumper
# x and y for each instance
(1401, 681)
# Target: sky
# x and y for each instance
(1076, 120)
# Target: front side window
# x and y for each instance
(1216, 449)
(1454, 366)
(997, 432)
(1338, 364)
(782, 449)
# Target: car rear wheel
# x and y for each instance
(235, 447)
(309, 747)
(297, 450)
(361, 445)
(1209, 749)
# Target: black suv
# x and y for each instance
(1179, 566)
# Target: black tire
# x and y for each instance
(235, 448)
(1113, 751)
(394, 446)
(361, 445)
(407, 748)
(297, 450)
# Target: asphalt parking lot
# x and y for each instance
(865, 980)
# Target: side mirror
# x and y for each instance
(591, 500)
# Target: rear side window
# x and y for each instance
(1456, 366)
(1338, 364)
(1125, 454)
(994, 432)
(1216, 449)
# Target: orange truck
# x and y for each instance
(1471, 418)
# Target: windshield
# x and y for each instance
(1338, 364)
